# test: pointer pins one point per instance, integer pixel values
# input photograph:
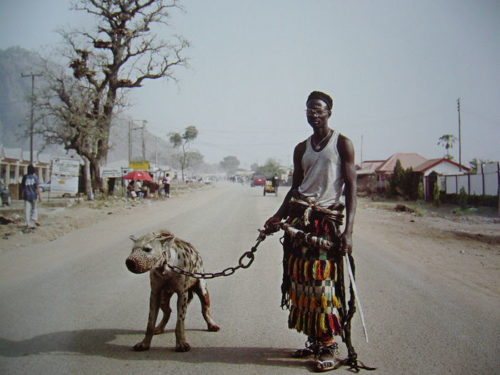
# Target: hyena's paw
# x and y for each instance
(213, 327)
(184, 347)
(141, 347)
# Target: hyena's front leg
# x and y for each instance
(165, 307)
(180, 337)
(154, 306)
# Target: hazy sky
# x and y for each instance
(394, 68)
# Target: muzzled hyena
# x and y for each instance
(151, 252)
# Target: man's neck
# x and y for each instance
(320, 133)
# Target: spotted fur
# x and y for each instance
(152, 252)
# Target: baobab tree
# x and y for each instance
(119, 54)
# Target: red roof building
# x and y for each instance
(383, 169)
(441, 166)
(407, 159)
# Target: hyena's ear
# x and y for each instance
(132, 237)
(165, 238)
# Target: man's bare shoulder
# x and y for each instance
(298, 152)
(345, 146)
(301, 146)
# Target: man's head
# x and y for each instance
(318, 95)
(319, 109)
(31, 169)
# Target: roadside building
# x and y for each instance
(432, 168)
(367, 176)
(14, 164)
(386, 169)
(375, 175)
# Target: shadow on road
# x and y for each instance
(99, 342)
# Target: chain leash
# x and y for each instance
(245, 261)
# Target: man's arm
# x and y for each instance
(346, 151)
(37, 188)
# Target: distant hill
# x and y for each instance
(15, 111)
(14, 94)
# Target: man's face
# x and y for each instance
(317, 113)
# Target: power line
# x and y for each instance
(32, 75)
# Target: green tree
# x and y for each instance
(476, 164)
(270, 168)
(118, 54)
(397, 178)
(420, 191)
(183, 142)
(230, 164)
(436, 194)
(463, 198)
(447, 141)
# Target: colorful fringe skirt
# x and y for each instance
(310, 286)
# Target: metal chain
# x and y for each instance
(245, 261)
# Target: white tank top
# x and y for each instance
(322, 173)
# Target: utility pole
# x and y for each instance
(129, 141)
(144, 122)
(459, 137)
(32, 124)
(361, 149)
(156, 152)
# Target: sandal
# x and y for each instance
(328, 365)
(327, 359)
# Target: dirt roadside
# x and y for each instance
(60, 216)
(465, 248)
(462, 247)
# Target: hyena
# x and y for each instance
(152, 252)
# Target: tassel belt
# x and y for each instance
(308, 211)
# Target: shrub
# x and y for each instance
(420, 191)
(436, 195)
(462, 198)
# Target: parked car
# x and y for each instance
(258, 180)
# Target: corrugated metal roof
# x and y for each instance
(410, 159)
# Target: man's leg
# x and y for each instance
(27, 213)
(34, 212)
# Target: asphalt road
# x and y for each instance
(70, 306)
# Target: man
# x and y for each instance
(30, 194)
(311, 288)
(166, 185)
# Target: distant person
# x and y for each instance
(138, 188)
(5, 194)
(275, 182)
(30, 195)
(130, 190)
(166, 185)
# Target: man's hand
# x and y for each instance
(272, 225)
(346, 243)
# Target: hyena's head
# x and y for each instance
(146, 252)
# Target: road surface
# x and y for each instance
(70, 306)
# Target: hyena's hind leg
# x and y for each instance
(165, 297)
(201, 290)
